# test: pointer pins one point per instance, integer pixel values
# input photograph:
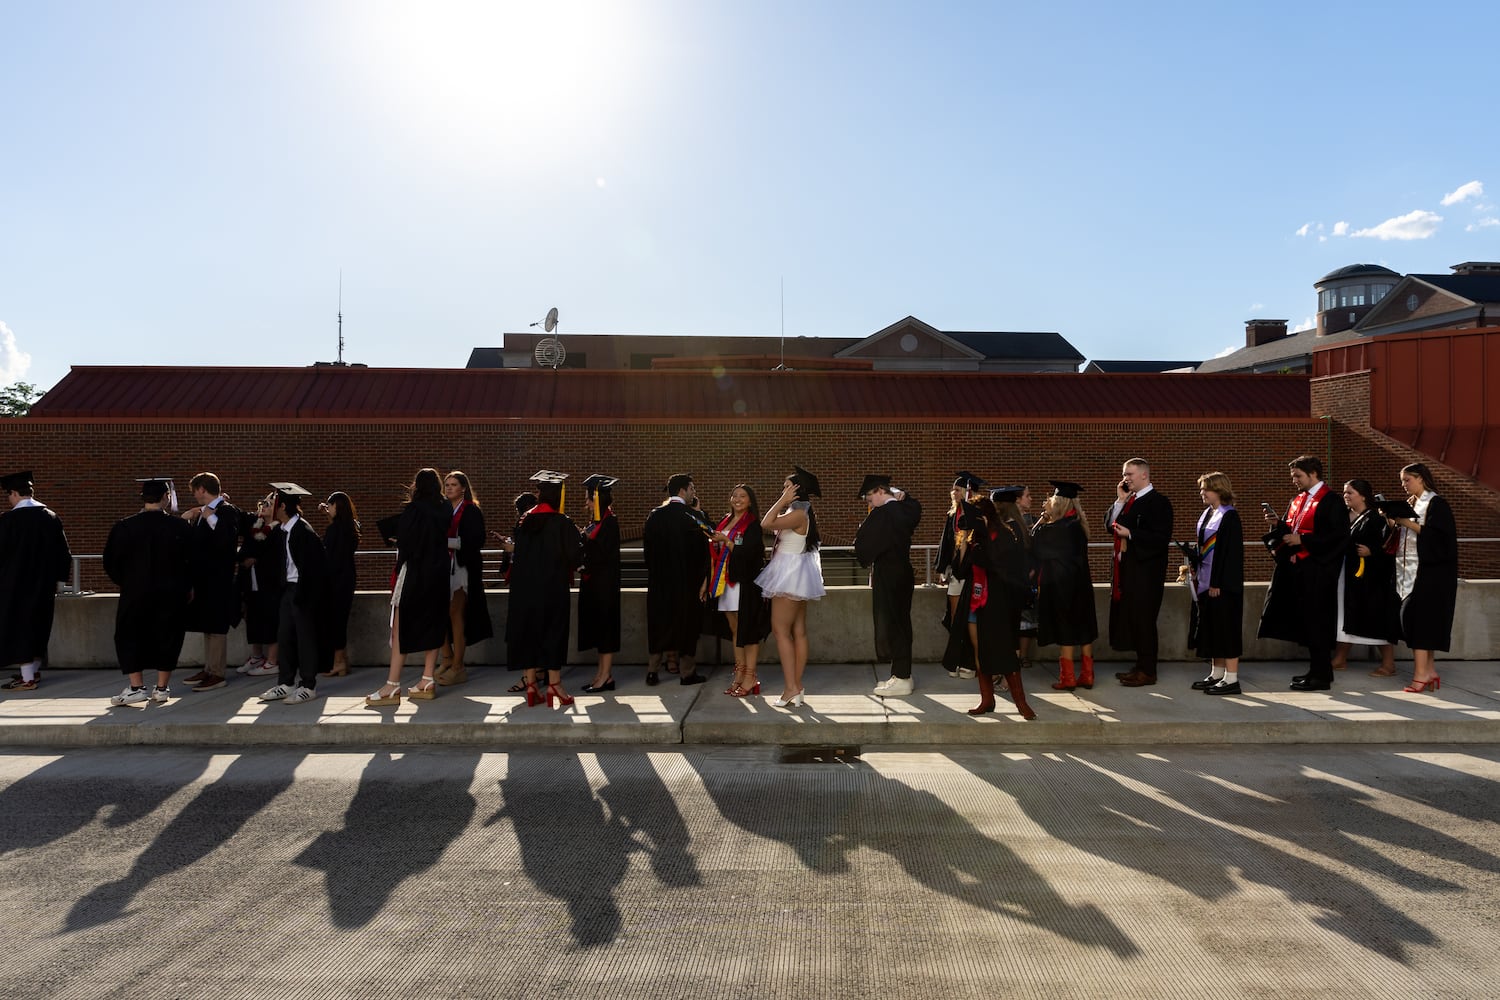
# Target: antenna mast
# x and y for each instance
(341, 316)
(782, 367)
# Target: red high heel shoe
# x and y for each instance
(533, 697)
(1431, 684)
(555, 691)
(740, 691)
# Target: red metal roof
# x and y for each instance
(536, 395)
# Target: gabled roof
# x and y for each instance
(1141, 366)
(1269, 357)
(1467, 294)
(910, 325)
(529, 395)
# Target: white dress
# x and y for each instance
(792, 572)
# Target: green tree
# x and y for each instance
(16, 399)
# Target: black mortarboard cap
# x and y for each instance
(678, 483)
(599, 481)
(387, 526)
(290, 490)
(549, 486)
(1006, 494)
(807, 483)
(1063, 488)
(968, 481)
(548, 476)
(17, 481)
(155, 488)
(968, 515)
(873, 482)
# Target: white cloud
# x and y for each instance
(1226, 352)
(1306, 324)
(1473, 189)
(1322, 239)
(14, 362)
(1256, 307)
(1302, 231)
(1482, 224)
(1416, 225)
(1341, 229)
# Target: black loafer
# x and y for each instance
(1223, 689)
(651, 678)
(1205, 683)
(608, 685)
(1309, 684)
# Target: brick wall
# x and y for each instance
(86, 471)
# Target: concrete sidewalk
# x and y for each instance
(71, 709)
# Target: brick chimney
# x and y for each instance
(1477, 267)
(1263, 331)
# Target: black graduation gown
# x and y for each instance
(942, 563)
(148, 556)
(548, 549)
(1302, 600)
(215, 606)
(260, 586)
(470, 555)
(1143, 572)
(1371, 608)
(882, 543)
(1001, 553)
(340, 541)
(676, 552)
(34, 559)
(422, 549)
(599, 587)
(1065, 591)
(1427, 612)
(314, 588)
(746, 561)
(1220, 620)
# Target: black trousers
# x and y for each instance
(890, 603)
(297, 634)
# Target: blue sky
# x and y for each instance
(181, 183)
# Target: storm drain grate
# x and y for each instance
(820, 755)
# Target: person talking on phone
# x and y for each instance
(1302, 603)
(1140, 522)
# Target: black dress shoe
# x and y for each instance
(1120, 675)
(1206, 682)
(1222, 688)
(1311, 684)
(1136, 679)
(692, 678)
(1300, 678)
(651, 678)
(608, 685)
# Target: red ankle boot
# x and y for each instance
(986, 695)
(1065, 679)
(1017, 695)
(1086, 675)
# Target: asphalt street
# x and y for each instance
(753, 871)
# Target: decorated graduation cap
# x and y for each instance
(18, 481)
(549, 486)
(1063, 488)
(806, 483)
(676, 484)
(156, 488)
(1006, 494)
(968, 481)
(290, 495)
(873, 483)
(600, 489)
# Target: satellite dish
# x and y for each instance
(549, 352)
(550, 323)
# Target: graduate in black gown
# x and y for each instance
(1064, 589)
(304, 580)
(1140, 523)
(738, 554)
(548, 549)
(468, 608)
(993, 563)
(148, 556)
(419, 598)
(599, 582)
(882, 544)
(1308, 545)
(676, 552)
(34, 559)
(1369, 610)
(1426, 573)
(340, 541)
(1218, 581)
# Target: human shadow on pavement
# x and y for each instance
(68, 794)
(209, 821)
(569, 849)
(1131, 810)
(643, 809)
(825, 823)
(400, 822)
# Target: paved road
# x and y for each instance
(752, 872)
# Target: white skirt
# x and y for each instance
(730, 599)
(798, 576)
(1339, 634)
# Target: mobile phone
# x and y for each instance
(1268, 508)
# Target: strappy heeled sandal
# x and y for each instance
(381, 698)
(423, 690)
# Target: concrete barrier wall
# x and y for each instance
(838, 628)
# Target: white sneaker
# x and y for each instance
(896, 687)
(250, 664)
(130, 696)
(965, 672)
(159, 695)
(264, 669)
(276, 693)
(300, 694)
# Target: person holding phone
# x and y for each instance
(1308, 546)
(1140, 522)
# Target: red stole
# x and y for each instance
(1303, 509)
(719, 577)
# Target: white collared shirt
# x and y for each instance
(210, 511)
(291, 567)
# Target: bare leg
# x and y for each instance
(799, 635)
(733, 618)
(1424, 664)
(783, 619)
(605, 671)
(1341, 655)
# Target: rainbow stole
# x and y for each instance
(719, 580)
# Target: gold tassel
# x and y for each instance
(596, 507)
(562, 498)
